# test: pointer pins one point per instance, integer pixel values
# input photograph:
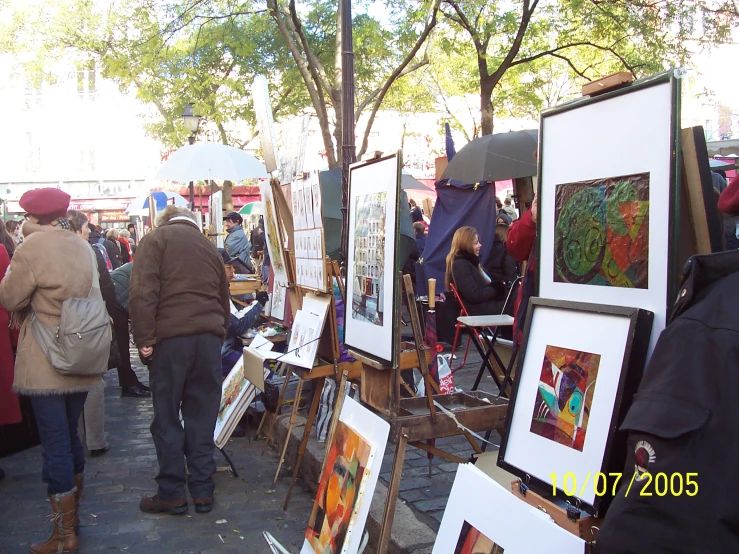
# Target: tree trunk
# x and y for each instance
(486, 111)
(228, 202)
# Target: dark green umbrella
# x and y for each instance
(494, 158)
(331, 198)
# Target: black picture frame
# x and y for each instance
(390, 243)
(632, 369)
(672, 238)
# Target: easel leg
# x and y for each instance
(230, 463)
(293, 415)
(306, 435)
(277, 411)
(392, 492)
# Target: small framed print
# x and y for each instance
(576, 375)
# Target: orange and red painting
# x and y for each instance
(338, 491)
(601, 232)
(565, 395)
(472, 541)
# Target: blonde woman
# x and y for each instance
(479, 294)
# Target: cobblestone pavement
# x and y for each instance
(111, 520)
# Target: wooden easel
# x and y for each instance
(416, 421)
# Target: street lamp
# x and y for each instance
(192, 122)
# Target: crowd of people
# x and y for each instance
(184, 324)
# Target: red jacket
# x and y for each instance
(10, 410)
(520, 245)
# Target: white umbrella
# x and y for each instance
(199, 162)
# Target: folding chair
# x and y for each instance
(463, 312)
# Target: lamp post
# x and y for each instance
(192, 122)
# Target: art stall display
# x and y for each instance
(372, 284)
(277, 301)
(215, 215)
(578, 369)
(310, 246)
(306, 331)
(237, 393)
(482, 517)
(608, 223)
(347, 482)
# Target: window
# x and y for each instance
(86, 87)
(33, 154)
(33, 93)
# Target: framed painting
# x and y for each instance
(273, 233)
(608, 222)
(482, 517)
(372, 283)
(347, 483)
(237, 393)
(577, 371)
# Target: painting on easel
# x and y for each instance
(369, 258)
(274, 233)
(372, 286)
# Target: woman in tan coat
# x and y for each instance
(51, 266)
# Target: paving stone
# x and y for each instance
(431, 505)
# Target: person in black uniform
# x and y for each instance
(683, 424)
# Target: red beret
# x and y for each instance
(45, 204)
(728, 202)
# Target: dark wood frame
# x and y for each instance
(393, 242)
(632, 369)
(673, 242)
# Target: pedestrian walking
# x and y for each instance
(180, 309)
(52, 267)
(10, 408)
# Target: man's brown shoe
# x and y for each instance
(156, 505)
(203, 505)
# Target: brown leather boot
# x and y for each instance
(62, 539)
(79, 482)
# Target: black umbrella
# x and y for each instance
(494, 158)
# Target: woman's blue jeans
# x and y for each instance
(57, 417)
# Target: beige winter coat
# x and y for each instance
(49, 267)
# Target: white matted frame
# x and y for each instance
(372, 260)
(375, 430)
(631, 131)
(507, 521)
(619, 336)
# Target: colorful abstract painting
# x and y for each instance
(565, 395)
(472, 541)
(338, 491)
(601, 232)
(369, 258)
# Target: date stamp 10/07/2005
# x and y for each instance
(660, 484)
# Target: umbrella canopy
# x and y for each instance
(719, 165)
(198, 162)
(409, 182)
(162, 198)
(494, 158)
(252, 208)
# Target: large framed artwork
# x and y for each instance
(608, 225)
(347, 482)
(372, 283)
(273, 233)
(482, 517)
(577, 372)
(310, 247)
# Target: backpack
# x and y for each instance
(100, 245)
(80, 345)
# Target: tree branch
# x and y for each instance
(554, 53)
(430, 24)
(319, 73)
(372, 95)
(526, 14)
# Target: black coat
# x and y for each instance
(478, 296)
(110, 248)
(500, 266)
(684, 421)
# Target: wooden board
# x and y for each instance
(610, 82)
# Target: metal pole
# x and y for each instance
(191, 140)
(348, 150)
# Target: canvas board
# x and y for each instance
(215, 213)
(607, 206)
(273, 233)
(306, 332)
(578, 368)
(265, 120)
(337, 526)
(277, 301)
(483, 517)
(310, 247)
(372, 295)
(237, 393)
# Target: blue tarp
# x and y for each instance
(456, 206)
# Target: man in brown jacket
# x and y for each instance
(179, 306)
